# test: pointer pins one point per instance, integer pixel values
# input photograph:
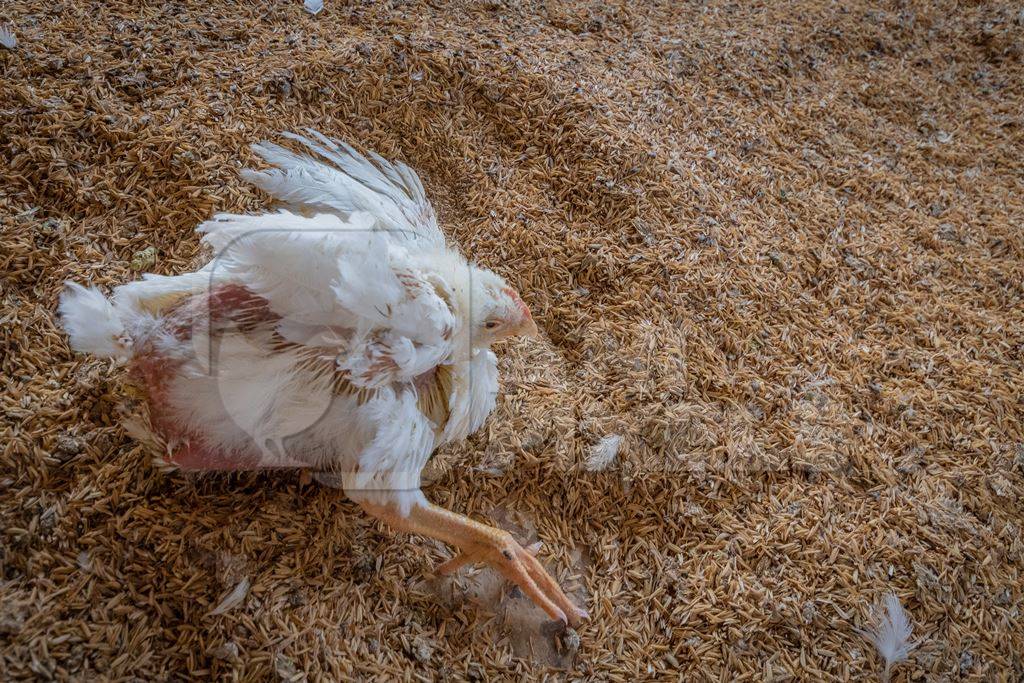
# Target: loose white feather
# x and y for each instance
(91, 321)
(890, 631)
(7, 38)
(232, 599)
(604, 453)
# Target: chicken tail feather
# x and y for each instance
(91, 322)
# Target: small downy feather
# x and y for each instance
(603, 453)
(232, 599)
(890, 631)
(7, 38)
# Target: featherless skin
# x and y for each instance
(341, 333)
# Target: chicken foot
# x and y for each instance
(485, 544)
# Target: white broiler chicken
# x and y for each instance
(341, 334)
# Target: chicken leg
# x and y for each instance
(481, 543)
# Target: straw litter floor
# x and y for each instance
(775, 247)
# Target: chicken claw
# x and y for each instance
(520, 566)
(462, 559)
(487, 545)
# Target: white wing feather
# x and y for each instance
(290, 260)
(340, 284)
(343, 181)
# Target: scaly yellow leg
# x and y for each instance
(481, 543)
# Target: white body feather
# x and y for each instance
(347, 287)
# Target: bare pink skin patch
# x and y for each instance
(194, 455)
(155, 372)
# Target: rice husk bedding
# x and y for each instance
(774, 247)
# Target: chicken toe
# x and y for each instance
(479, 543)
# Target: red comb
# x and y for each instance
(518, 301)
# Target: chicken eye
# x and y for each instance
(491, 324)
